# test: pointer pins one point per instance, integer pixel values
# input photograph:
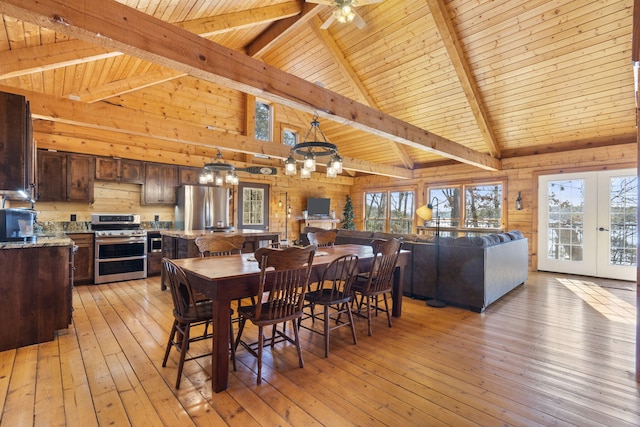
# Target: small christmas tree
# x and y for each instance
(347, 223)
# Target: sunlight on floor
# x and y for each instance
(612, 307)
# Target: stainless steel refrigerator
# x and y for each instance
(201, 207)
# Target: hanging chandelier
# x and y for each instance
(218, 172)
(311, 148)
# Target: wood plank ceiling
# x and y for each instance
(432, 80)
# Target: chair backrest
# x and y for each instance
(385, 254)
(184, 301)
(322, 238)
(286, 272)
(219, 245)
(338, 277)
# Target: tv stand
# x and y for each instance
(326, 223)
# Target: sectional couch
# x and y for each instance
(471, 272)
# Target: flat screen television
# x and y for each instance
(318, 206)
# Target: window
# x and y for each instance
(253, 209)
(469, 206)
(263, 121)
(390, 211)
(289, 137)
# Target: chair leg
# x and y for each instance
(260, 345)
(232, 344)
(243, 320)
(172, 335)
(183, 352)
(353, 326)
(386, 307)
(326, 330)
(298, 346)
(369, 302)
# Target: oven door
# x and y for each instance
(120, 258)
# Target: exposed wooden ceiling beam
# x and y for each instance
(108, 117)
(454, 49)
(20, 62)
(355, 82)
(35, 59)
(280, 28)
(120, 87)
(121, 28)
(218, 24)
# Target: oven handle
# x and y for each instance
(127, 258)
(111, 240)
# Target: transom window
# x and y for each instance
(290, 137)
(468, 206)
(389, 211)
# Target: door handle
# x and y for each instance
(603, 229)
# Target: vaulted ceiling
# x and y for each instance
(424, 81)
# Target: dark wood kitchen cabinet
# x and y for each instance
(84, 258)
(160, 182)
(36, 293)
(120, 170)
(17, 149)
(64, 177)
(189, 175)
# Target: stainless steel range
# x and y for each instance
(120, 248)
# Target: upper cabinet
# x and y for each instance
(17, 156)
(121, 170)
(189, 175)
(65, 177)
(160, 182)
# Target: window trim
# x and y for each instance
(462, 185)
(387, 219)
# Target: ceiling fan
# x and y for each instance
(344, 11)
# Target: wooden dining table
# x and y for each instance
(227, 278)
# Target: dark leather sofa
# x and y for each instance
(472, 272)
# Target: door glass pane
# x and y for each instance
(623, 192)
(565, 220)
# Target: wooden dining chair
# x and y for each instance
(221, 245)
(284, 275)
(378, 281)
(326, 238)
(333, 293)
(188, 312)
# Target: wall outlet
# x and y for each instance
(156, 217)
(73, 217)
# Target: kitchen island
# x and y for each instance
(181, 243)
(36, 287)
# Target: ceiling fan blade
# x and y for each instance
(259, 170)
(365, 2)
(322, 1)
(359, 21)
(328, 22)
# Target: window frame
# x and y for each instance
(461, 222)
(388, 220)
(271, 119)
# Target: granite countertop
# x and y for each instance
(38, 242)
(192, 234)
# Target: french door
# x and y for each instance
(587, 223)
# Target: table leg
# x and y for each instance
(396, 294)
(220, 352)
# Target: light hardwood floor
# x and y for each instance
(558, 351)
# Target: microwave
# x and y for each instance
(16, 224)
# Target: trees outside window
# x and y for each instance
(263, 121)
(469, 206)
(389, 211)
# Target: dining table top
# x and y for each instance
(230, 266)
